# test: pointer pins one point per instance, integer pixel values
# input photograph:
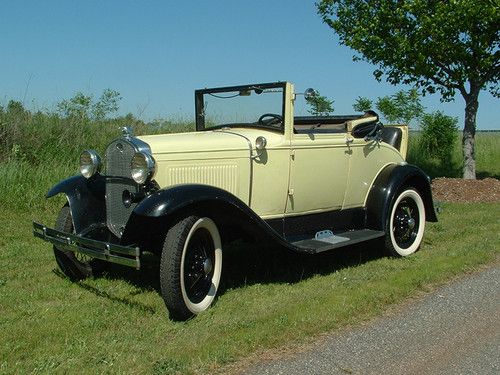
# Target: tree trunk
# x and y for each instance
(468, 140)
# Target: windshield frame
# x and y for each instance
(199, 105)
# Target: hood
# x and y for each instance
(195, 142)
(234, 139)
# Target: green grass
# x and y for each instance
(118, 323)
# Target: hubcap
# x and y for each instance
(207, 266)
(199, 265)
(411, 223)
(405, 223)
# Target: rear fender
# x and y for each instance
(85, 198)
(385, 188)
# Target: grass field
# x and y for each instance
(118, 322)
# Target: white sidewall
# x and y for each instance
(410, 193)
(209, 225)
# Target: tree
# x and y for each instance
(77, 107)
(320, 105)
(362, 104)
(107, 104)
(401, 107)
(439, 46)
(83, 107)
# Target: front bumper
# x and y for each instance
(125, 255)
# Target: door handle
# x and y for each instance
(349, 140)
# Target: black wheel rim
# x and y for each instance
(406, 223)
(199, 265)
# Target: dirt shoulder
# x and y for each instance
(466, 191)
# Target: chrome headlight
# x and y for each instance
(90, 163)
(143, 167)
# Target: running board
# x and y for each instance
(328, 241)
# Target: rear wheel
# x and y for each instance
(406, 224)
(75, 266)
(191, 265)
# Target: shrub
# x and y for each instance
(439, 133)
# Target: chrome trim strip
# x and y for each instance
(251, 160)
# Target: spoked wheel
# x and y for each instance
(75, 266)
(191, 265)
(405, 228)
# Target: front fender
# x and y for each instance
(85, 198)
(169, 200)
(383, 192)
(153, 216)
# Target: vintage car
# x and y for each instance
(250, 170)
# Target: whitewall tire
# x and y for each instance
(406, 223)
(191, 266)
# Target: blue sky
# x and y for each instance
(156, 53)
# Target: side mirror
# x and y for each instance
(310, 93)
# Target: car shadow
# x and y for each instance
(247, 264)
(244, 264)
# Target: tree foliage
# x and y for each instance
(401, 107)
(362, 104)
(437, 46)
(83, 107)
(319, 105)
(108, 103)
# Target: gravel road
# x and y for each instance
(454, 330)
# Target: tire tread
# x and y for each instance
(170, 263)
(66, 260)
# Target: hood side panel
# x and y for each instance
(208, 158)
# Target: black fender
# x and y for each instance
(153, 216)
(86, 198)
(387, 184)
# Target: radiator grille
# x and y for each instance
(118, 156)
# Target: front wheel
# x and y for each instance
(406, 224)
(190, 266)
(75, 266)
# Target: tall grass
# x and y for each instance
(39, 149)
(487, 157)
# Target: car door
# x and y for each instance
(319, 168)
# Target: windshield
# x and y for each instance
(259, 105)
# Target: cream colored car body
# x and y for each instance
(297, 174)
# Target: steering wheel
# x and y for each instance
(274, 119)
